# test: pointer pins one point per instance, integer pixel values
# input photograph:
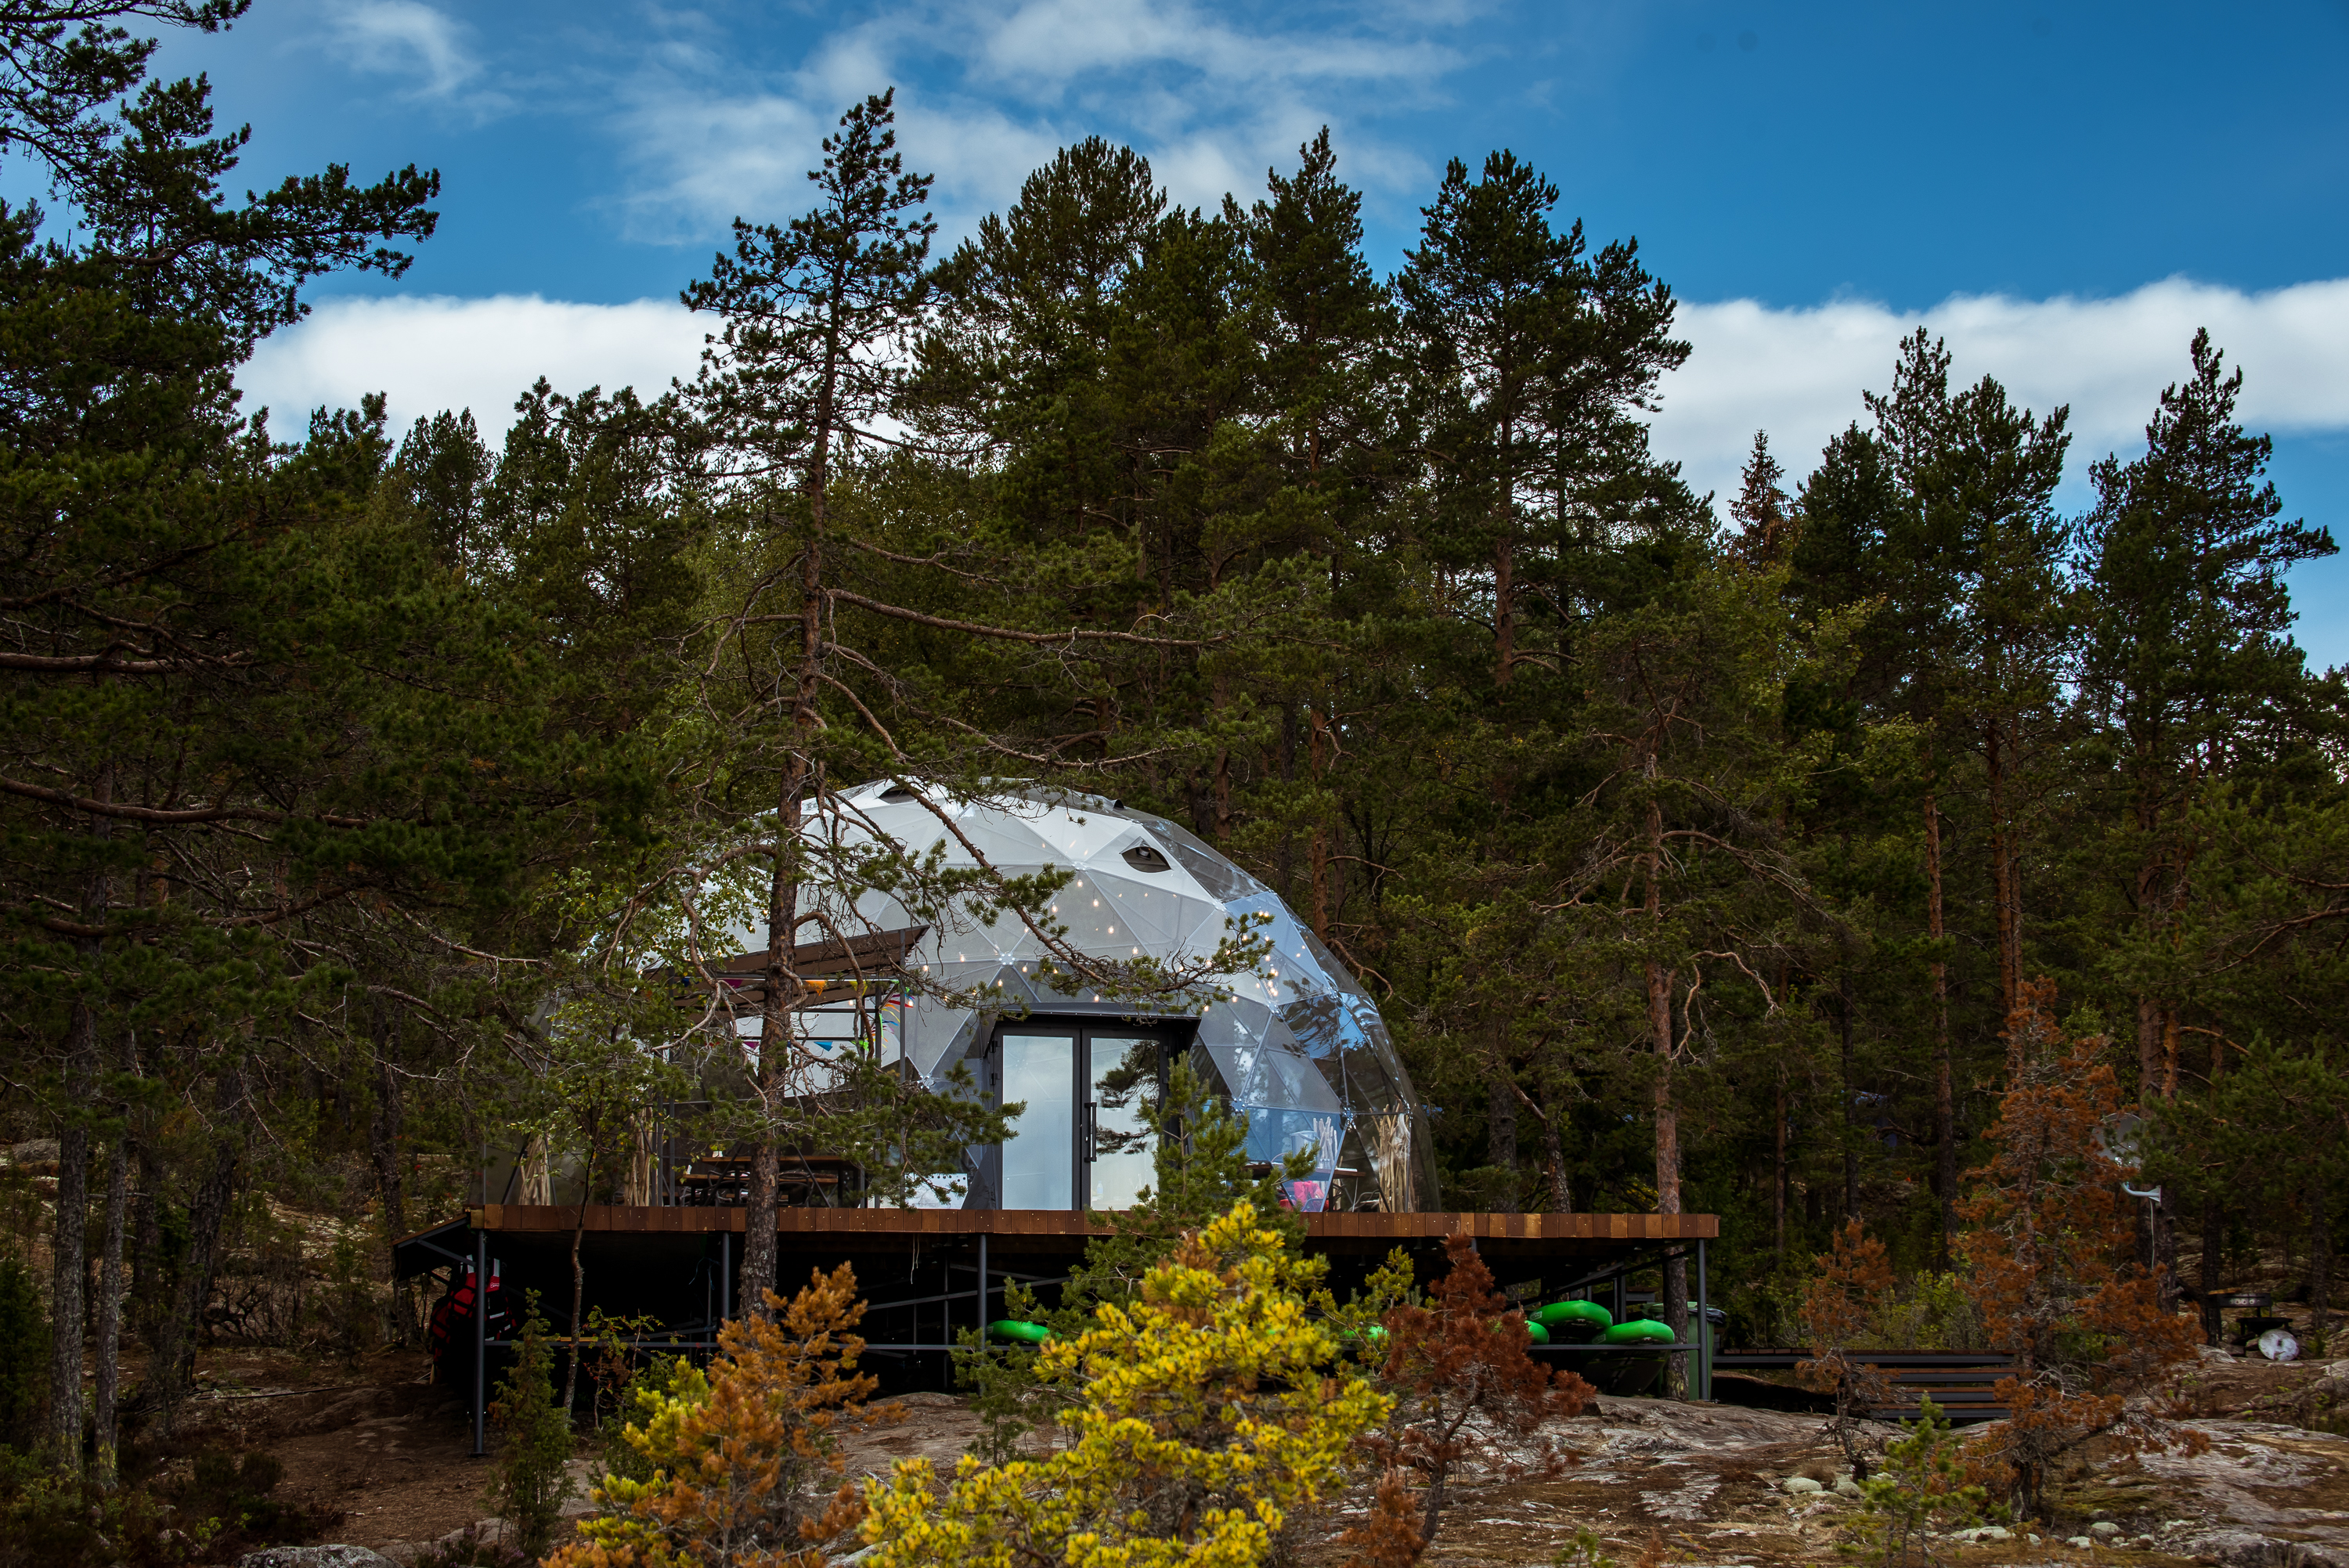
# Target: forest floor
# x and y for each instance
(1657, 1481)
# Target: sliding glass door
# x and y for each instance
(1081, 1138)
(1039, 1073)
(1125, 1072)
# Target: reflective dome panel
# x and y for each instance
(1299, 1049)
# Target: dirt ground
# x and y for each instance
(372, 1439)
(1658, 1481)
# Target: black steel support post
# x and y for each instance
(982, 1289)
(725, 1275)
(481, 1342)
(1703, 1336)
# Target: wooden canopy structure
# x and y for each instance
(875, 955)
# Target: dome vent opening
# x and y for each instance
(1143, 858)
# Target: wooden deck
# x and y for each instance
(1567, 1234)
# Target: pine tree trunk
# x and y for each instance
(1561, 1189)
(1501, 1122)
(1778, 1173)
(2005, 896)
(784, 989)
(1667, 1164)
(171, 1367)
(1945, 1099)
(2214, 1279)
(69, 1242)
(1676, 1318)
(1850, 1131)
(106, 1394)
(383, 1129)
(1667, 1111)
(2319, 1259)
(774, 1044)
(146, 1246)
(2148, 1049)
(1504, 626)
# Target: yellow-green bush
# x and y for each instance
(1204, 1415)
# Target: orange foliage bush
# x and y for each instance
(1389, 1537)
(1463, 1381)
(746, 1462)
(2050, 1248)
(1846, 1297)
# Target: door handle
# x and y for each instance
(1092, 1130)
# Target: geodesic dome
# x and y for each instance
(1299, 1049)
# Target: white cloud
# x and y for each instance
(1799, 373)
(1046, 44)
(1002, 85)
(430, 353)
(1795, 373)
(404, 39)
(707, 160)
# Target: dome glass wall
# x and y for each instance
(1299, 1048)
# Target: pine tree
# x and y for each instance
(1531, 353)
(743, 1464)
(2050, 1253)
(176, 573)
(532, 1481)
(1763, 509)
(824, 669)
(2188, 656)
(1325, 329)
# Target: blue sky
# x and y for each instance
(2064, 190)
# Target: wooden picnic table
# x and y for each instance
(719, 1179)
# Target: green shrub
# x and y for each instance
(1919, 1489)
(222, 1510)
(350, 1309)
(23, 1355)
(1585, 1550)
(532, 1481)
(1933, 1313)
(637, 1403)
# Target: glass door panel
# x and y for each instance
(1039, 1168)
(1125, 1085)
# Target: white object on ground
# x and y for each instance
(2278, 1346)
(1799, 1486)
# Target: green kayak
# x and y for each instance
(1575, 1320)
(1639, 1331)
(1013, 1330)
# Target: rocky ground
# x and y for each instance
(1656, 1481)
